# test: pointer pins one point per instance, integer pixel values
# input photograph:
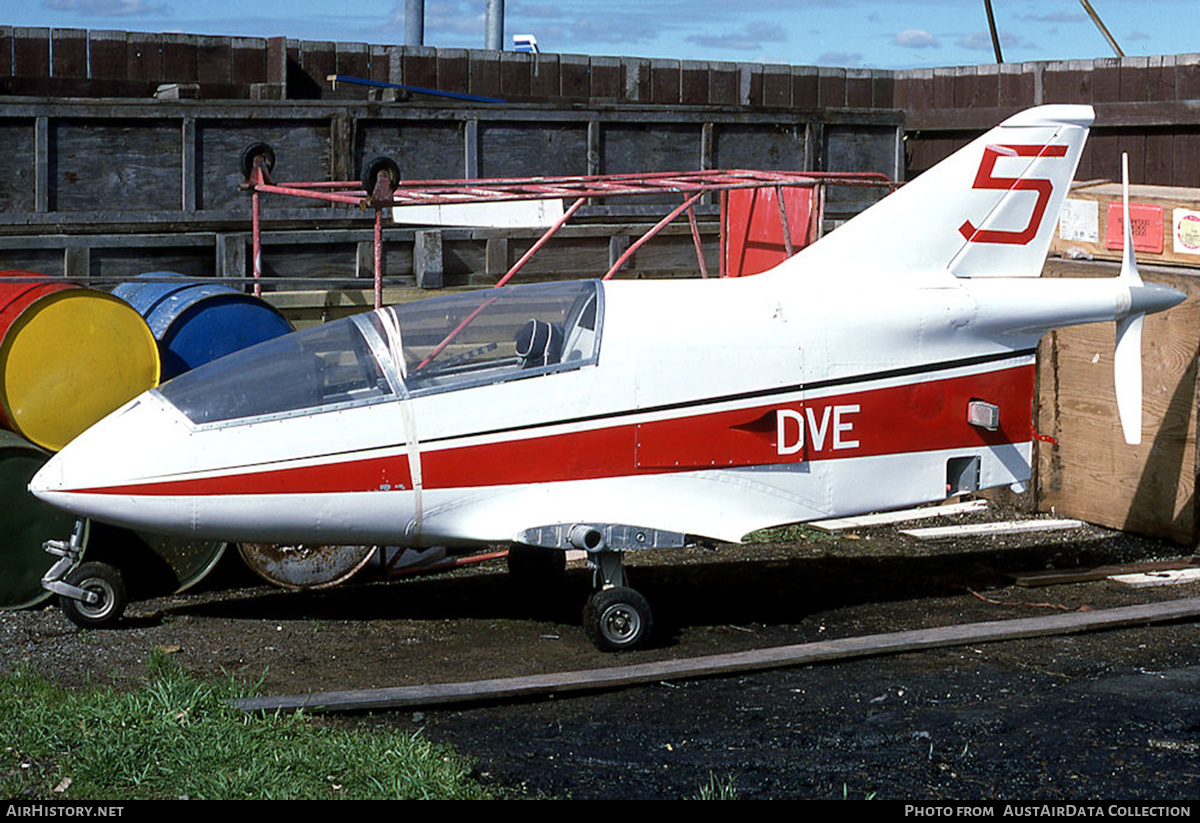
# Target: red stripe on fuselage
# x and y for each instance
(915, 417)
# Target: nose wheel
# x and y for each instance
(91, 595)
(103, 601)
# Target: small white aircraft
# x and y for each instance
(891, 363)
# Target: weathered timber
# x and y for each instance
(83, 172)
(428, 259)
(1089, 472)
(1058, 577)
(515, 688)
(138, 161)
(343, 257)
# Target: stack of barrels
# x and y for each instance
(71, 355)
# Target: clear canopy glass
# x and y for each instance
(440, 344)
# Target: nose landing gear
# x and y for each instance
(92, 595)
(103, 600)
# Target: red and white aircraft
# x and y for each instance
(886, 365)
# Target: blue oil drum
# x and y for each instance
(195, 321)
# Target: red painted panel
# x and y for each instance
(369, 475)
(754, 230)
(739, 438)
(909, 418)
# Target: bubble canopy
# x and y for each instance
(439, 344)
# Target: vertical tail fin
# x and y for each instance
(988, 210)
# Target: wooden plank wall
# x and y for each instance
(1146, 106)
(79, 62)
(107, 183)
(100, 63)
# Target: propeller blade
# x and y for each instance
(1127, 359)
(1127, 376)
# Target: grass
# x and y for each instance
(717, 789)
(178, 738)
(794, 533)
(846, 793)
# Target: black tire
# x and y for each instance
(105, 581)
(371, 173)
(536, 564)
(617, 619)
(257, 150)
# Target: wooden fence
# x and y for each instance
(1148, 106)
(78, 62)
(104, 189)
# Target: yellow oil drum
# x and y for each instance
(68, 357)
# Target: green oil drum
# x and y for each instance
(25, 523)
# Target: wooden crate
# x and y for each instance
(1166, 223)
(1090, 472)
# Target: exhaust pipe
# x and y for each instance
(588, 538)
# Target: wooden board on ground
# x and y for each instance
(901, 516)
(980, 529)
(1144, 580)
(1089, 472)
(518, 688)
(1055, 577)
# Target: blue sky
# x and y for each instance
(849, 33)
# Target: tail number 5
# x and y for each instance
(985, 179)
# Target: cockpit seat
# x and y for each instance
(539, 344)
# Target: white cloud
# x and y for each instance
(750, 38)
(915, 39)
(107, 8)
(982, 41)
(841, 59)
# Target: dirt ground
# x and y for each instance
(1099, 716)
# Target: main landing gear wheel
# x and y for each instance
(617, 619)
(103, 581)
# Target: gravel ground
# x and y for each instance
(1106, 715)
